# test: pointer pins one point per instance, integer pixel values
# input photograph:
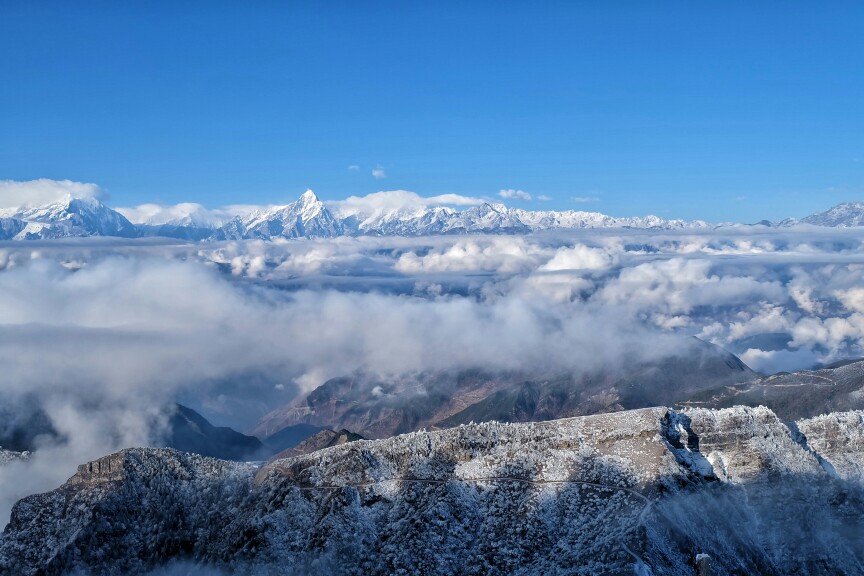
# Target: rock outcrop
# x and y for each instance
(649, 490)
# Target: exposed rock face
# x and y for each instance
(646, 490)
(106, 469)
(838, 442)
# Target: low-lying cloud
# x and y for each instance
(103, 335)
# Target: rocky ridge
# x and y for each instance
(645, 490)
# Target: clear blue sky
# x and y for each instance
(716, 110)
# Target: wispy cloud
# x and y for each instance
(378, 172)
(584, 199)
(14, 194)
(513, 194)
(187, 213)
(385, 201)
(354, 168)
(544, 198)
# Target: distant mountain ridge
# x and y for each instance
(309, 217)
(845, 215)
(69, 217)
(376, 408)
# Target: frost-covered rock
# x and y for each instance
(605, 494)
(7, 456)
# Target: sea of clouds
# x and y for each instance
(102, 335)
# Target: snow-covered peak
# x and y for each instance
(307, 217)
(845, 215)
(70, 216)
(308, 197)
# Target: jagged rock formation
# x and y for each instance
(648, 490)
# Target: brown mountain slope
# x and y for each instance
(376, 408)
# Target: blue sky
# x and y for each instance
(720, 111)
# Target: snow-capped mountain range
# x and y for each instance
(846, 215)
(69, 216)
(309, 217)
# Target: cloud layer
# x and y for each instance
(105, 334)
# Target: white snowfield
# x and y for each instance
(642, 491)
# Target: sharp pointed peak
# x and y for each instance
(309, 196)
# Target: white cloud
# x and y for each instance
(185, 213)
(15, 194)
(544, 198)
(584, 199)
(852, 299)
(123, 329)
(388, 201)
(500, 254)
(512, 194)
(354, 168)
(378, 173)
(578, 257)
(772, 361)
(678, 285)
(768, 318)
